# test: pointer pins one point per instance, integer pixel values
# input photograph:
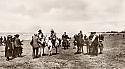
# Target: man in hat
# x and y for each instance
(40, 35)
(18, 46)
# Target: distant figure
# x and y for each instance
(94, 44)
(65, 41)
(8, 48)
(101, 38)
(18, 45)
(43, 43)
(80, 42)
(1, 41)
(75, 40)
(14, 48)
(4, 41)
(35, 45)
(90, 42)
(86, 42)
(53, 39)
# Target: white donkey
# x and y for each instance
(49, 44)
(46, 41)
(43, 45)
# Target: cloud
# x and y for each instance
(73, 14)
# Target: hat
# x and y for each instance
(40, 31)
(17, 35)
(9, 36)
(52, 30)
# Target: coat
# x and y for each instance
(8, 48)
(65, 37)
(17, 42)
(80, 41)
(53, 37)
(35, 42)
(95, 42)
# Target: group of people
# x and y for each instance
(40, 41)
(13, 47)
(92, 42)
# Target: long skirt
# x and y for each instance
(95, 50)
(17, 51)
(8, 53)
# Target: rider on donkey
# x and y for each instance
(65, 41)
(53, 39)
(40, 34)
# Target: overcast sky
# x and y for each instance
(62, 15)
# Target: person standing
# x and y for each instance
(14, 48)
(86, 42)
(18, 45)
(8, 48)
(94, 44)
(4, 41)
(80, 42)
(1, 41)
(35, 45)
(101, 39)
(90, 42)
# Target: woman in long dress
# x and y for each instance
(8, 48)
